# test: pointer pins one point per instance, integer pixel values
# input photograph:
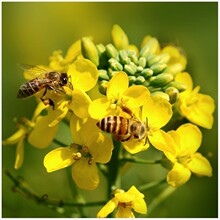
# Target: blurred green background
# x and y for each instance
(32, 31)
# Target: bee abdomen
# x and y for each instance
(28, 89)
(114, 124)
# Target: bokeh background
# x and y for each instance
(32, 31)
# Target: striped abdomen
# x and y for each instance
(31, 87)
(116, 125)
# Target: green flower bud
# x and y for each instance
(119, 38)
(140, 80)
(140, 69)
(101, 49)
(103, 87)
(142, 61)
(152, 45)
(132, 79)
(178, 85)
(145, 51)
(103, 75)
(147, 73)
(130, 69)
(123, 57)
(89, 50)
(115, 65)
(161, 94)
(111, 51)
(153, 89)
(162, 79)
(164, 58)
(146, 83)
(152, 59)
(158, 68)
(173, 94)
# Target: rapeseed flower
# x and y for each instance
(196, 107)
(32, 130)
(180, 147)
(83, 155)
(125, 202)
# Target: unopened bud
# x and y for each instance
(140, 80)
(115, 65)
(173, 94)
(162, 79)
(103, 75)
(132, 79)
(175, 68)
(130, 69)
(158, 68)
(103, 87)
(178, 85)
(161, 94)
(119, 38)
(147, 73)
(111, 51)
(89, 50)
(142, 61)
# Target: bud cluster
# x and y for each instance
(147, 68)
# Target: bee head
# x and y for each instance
(138, 130)
(63, 79)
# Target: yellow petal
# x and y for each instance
(186, 79)
(178, 176)
(190, 138)
(59, 158)
(158, 111)
(108, 208)
(135, 96)
(42, 135)
(80, 103)
(100, 147)
(117, 86)
(124, 212)
(19, 154)
(73, 51)
(200, 165)
(135, 146)
(16, 137)
(84, 74)
(99, 108)
(163, 142)
(85, 174)
(201, 111)
(40, 107)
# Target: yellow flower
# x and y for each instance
(83, 76)
(156, 113)
(89, 148)
(60, 63)
(118, 93)
(34, 131)
(196, 107)
(180, 147)
(125, 202)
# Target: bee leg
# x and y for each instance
(47, 101)
(127, 110)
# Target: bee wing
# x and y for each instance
(31, 71)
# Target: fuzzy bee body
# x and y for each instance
(51, 80)
(123, 128)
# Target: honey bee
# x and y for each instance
(44, 79)
(122, 128)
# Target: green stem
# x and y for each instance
(151, 185)
(21, 186)
(138, 160)
(160, 198)
(113, 169)
(58, 142)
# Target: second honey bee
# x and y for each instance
(122, 128)
(51, 80)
